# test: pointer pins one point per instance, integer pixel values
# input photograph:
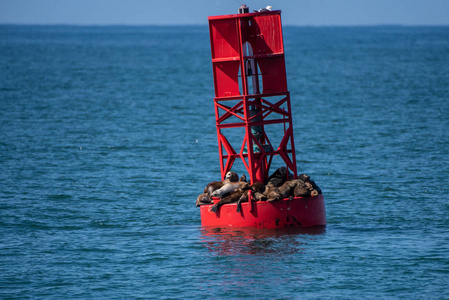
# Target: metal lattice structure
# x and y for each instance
(251, 92)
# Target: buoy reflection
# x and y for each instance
(259, 241)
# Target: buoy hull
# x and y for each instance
(298, 212)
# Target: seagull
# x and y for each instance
(268, 8)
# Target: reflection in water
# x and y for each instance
(247, 240)
(253, 262)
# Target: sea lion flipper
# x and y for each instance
(214, 208)
(239, 206)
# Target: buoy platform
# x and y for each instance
(298, 212)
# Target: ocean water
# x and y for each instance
(107, 136)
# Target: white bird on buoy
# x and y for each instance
(268, 8)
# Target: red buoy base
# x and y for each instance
(298, 212)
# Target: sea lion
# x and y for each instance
(301, 191)
(315, 186)
(229, 188)
(272, 194)
(314, 193)
(243, 178)
(259, 196)
(257, 188)
(243, 198)
(310, 183)
(215, 185)
(303, 177)
(275, 182)
(282, 173)
(231, 177)
(233, 197)
(212, 186)
(308, 189)
(203, 199)
(287, 189)
(309, 186)
(271, 189)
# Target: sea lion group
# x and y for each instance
(233, 189)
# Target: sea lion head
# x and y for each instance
(232, 176)
(304, 177)
(258, 187)
(283, 171)
(203, 199)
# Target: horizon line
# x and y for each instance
(206, 24)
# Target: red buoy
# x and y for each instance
(252, 99)
(298, 212)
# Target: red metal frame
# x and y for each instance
(241, 45)
(251, 94)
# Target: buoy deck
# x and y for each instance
(298, 212)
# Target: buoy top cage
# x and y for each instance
(251, 92)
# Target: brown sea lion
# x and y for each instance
(203, 199)
(282, 173)
(233, 197)
(271, 189)
(243, 198)
(275, 182)
(301, 191)
(243, 178)
(257, 188)
(271, 193)
(314, 193)
(286, 190)
(308, 189)
(315, 186)
(303, 177)
(306, 178)
(309, 186)
(212, 186)
(259, 196)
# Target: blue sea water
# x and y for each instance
(107, 136)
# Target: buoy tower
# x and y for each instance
(252, 107)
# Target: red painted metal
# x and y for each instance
(299, 212)
(251, 90)
(251, 94)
